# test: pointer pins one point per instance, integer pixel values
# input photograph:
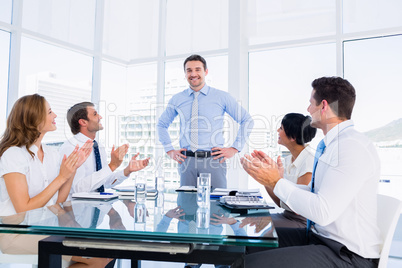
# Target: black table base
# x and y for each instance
(51, 249)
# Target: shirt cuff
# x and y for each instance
(235, 226)
(168, 147)
(283, 188)
(237, 146)
(119, 178)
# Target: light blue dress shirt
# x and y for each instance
(212, 106)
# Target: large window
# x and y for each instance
(112, 103)
(131, 29)
(62, 76)
(280, 83)
(374, 67)
(274, 21)
(366, 15)
(5, 10)
(4, 60)
(140, 120)
(196, 25)
(70, 21)
(128, 101)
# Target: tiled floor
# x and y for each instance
(395, 260)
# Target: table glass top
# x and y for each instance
(170, 217)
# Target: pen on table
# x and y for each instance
(103, 193)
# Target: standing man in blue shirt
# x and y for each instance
(201, 109)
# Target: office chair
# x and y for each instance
(388, 212)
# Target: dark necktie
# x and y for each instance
(320, 150)
(95, 218)
(98, 163)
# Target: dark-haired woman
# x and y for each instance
(295, 131)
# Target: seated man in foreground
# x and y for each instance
(340, 202)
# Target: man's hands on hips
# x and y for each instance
(224, 153)
(262, 168)
(177, 156)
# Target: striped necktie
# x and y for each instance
(98, 163)
(320, 150)
(194, 123)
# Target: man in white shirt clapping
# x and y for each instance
(339, 203)
(96, 174)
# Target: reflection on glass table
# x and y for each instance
(169, 227)
(118, 220)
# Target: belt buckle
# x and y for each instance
(202, 154)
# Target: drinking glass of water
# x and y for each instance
(204, 189)
(140, 216)
(140, 190)
(203, 217)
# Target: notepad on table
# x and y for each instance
(187, 188)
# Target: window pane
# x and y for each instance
(273, 21)
(62, 76)
(71, 21)
(128, 108)
(374, 67)
(280, 83)
(366, 15)
(5, 10)
(196, 25)
(131, 29)
(4, 60)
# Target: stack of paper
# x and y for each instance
(130, 190)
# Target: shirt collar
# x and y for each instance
(300, 158)
(34, 149)
(335, 131)
(204, 90)
(81, 137)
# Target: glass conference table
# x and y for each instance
(152, 229)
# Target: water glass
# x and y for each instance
(204, 189)
(140, 217)
(160, 200)
(160, 184)
(140, 190)
(203, 217)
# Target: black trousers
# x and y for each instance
(296, 249)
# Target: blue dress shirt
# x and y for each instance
(212, 106)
